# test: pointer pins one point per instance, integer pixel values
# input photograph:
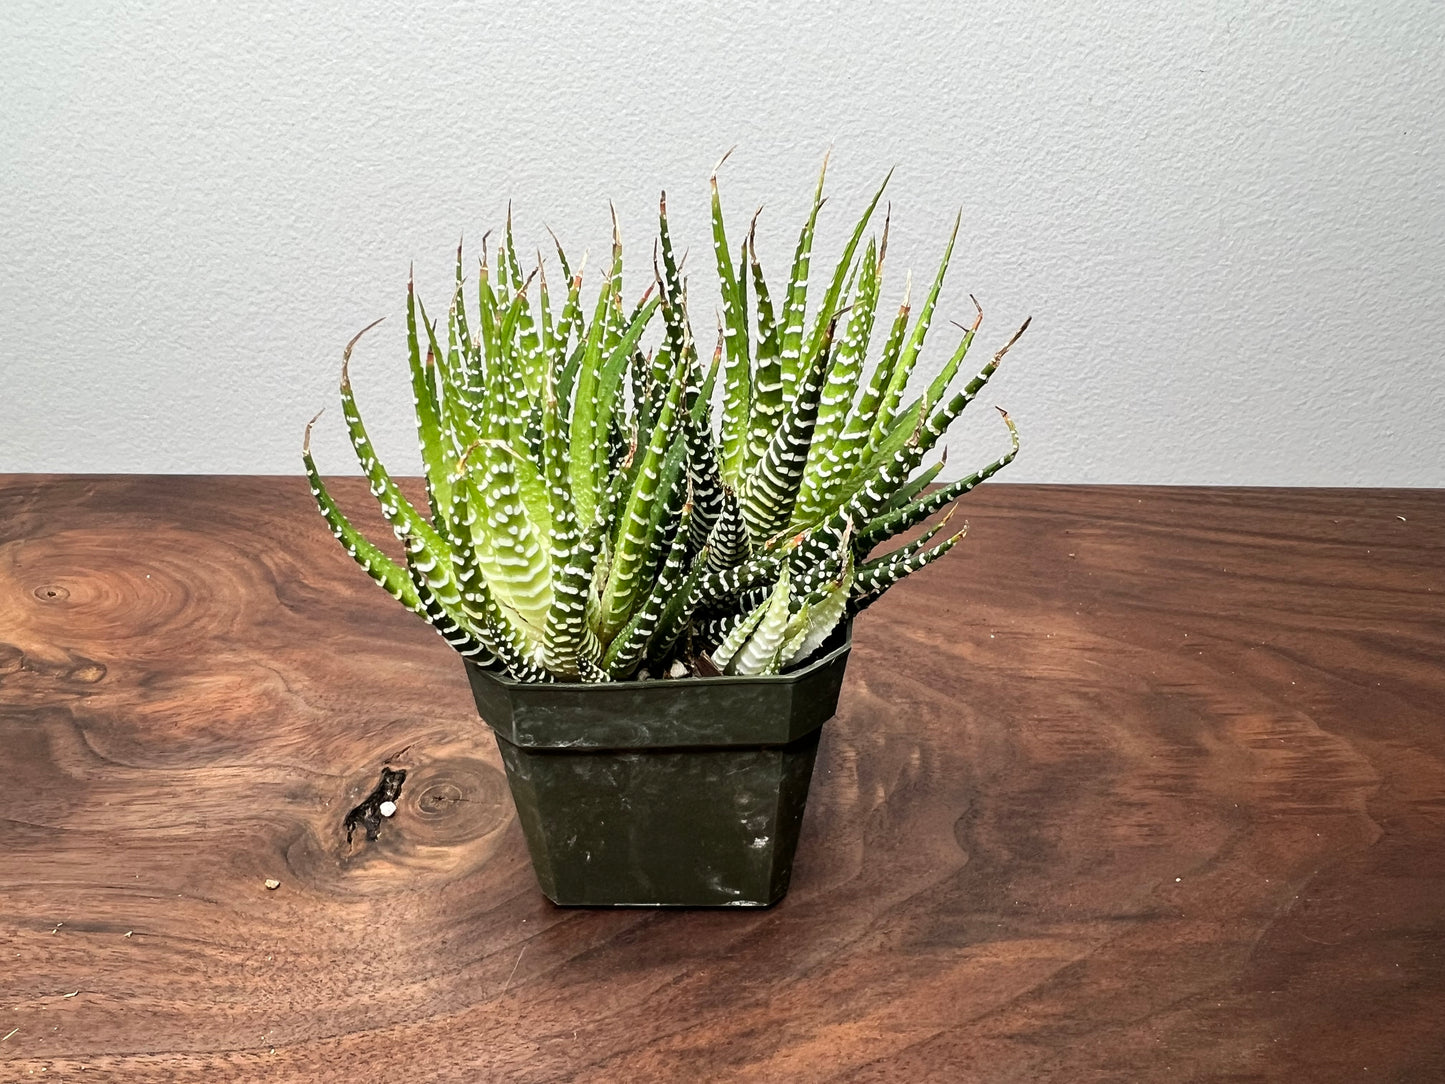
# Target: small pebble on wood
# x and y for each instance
(386, 809)
(272, 883)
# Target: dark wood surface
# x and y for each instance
(1138, 784)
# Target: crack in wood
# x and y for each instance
(368, 813)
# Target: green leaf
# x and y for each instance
(770, 492)
(458, 397)
(385, 572)
(436, 461)
(827, 456)
(626, 651)
(609, 381)
(915, 511)
(841, 275)
(817, 618)
(404, 519)
(759, 655)
(635, 537)
(486, 308)
(898, 378)
(585, 435)
(796, 303)
(677, 613)
(734, 288)
(876, 577)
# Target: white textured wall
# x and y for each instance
(1226, 218)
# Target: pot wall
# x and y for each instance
(663, 793)
(663, 827)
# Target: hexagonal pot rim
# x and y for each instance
(581, 715)
(723, 679)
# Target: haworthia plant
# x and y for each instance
(604, 506)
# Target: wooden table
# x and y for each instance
(1138, 784)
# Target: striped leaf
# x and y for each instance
(915, 511)
(766, 383)
(635, 525)
(795, 303)
(590, 508)
(875, 577)
(436, 461)
(626, 651)
(770, 492)
(826, 456)
(842, 274)
(816, 619)
(738, 634)
(900, 372)
(584, 434)
(405, 520)
(385, 572)
(759, 653)
(677, 613)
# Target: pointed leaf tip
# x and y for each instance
(306, 440)
(752, 228)
(720, 161)
(346, 354)
(1016, 336)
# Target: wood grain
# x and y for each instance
(1138, 784)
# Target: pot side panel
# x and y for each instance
(679, 827)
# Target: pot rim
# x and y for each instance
(846, 625)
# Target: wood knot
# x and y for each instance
(71, 669)
(455, 800)
(51, 592)
(86, 672)
(437, 796)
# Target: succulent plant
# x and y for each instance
(601, 509)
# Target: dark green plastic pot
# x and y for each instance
(678, 793)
